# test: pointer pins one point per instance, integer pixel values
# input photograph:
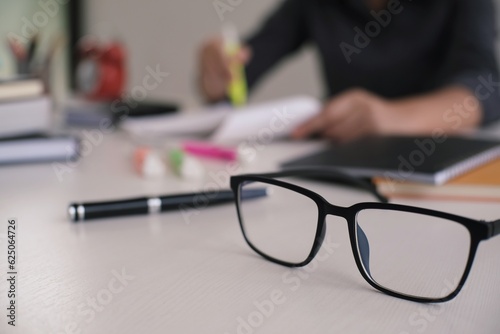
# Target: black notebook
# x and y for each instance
(420, 159)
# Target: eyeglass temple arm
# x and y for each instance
(495, 228)
(331, 174)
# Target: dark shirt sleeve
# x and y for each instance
(282, 33)
(471, 60)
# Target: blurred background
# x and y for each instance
(25, 20)
(154, 33)
(171, 32)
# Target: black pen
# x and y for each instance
(145, 205)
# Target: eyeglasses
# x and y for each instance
(407, 252)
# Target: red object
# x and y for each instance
(18, 50)
(140, 155)
(101, 73)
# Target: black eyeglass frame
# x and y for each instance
(479, 229)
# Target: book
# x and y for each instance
(225, 124)
(38, 148)
(433, 160)
(87, 113)
(18, 88)
(23, 117)
(481, 184)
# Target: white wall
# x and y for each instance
(170, 32)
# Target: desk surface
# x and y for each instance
(175, 273)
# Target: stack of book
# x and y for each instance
(25, 121)
(449, 168)
(479, 184)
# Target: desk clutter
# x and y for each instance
(25, 125)
(269, 120)
(433, 160)
(480, 184)
(24, 109)
(38, 148)
(184, 160)
(447, 168)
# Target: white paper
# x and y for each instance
(266, 121)
(187, 123)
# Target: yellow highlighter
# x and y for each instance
(237, 90)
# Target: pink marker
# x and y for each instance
(207, 150)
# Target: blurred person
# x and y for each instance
(389, 66)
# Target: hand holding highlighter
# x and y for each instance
(237, 89)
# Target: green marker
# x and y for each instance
(237, 90)
(176, 159)
(185, 166)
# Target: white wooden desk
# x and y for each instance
(196, 274)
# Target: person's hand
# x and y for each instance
(214, 68)
(350, 115)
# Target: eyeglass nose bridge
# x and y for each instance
(335, 210)
(362, 241)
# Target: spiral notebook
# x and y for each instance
(419, 159)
